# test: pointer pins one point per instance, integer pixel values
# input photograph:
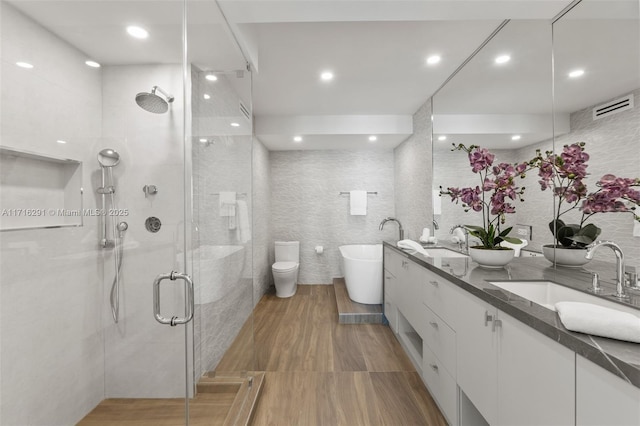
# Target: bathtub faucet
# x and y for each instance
(393, 219)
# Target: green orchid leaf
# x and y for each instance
(506, 232)
(565, 233)
(554, 225)
(512, 240)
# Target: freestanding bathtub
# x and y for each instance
(362, 268)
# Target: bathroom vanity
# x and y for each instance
(488, 355)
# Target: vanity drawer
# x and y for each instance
(441, 385)
(391, 313)
(441, 339)
(440, 296)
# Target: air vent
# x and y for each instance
(613, 107)
(245, 111)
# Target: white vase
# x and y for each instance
(566, 257)
(491, 258)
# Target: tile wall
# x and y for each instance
(51, 280)
(413, 176)
(306, 204)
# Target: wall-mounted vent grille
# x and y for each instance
(613, 107)
(245, 111)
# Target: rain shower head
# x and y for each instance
(154, 103)
(108, 157)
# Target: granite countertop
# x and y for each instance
(619, 357)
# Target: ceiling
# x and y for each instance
(377, 51)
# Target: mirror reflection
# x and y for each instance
(596, 79)
(501, 100)
(507, 108)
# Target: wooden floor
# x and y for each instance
(206, 409)
(320, 372)
(317, 372)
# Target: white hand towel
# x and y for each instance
(358, 202)
(243, 232)
(227, 204)
(599, 321)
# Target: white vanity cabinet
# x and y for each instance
(512, 374)
(439, 301)
(603, 398)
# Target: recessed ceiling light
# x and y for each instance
(211, 77)
(203, 140)
(297, 138)
(326, 76)
(234, 124)
(137, 32)
(442, 138)
(434, 59)
(502, 59)
(206, 96)
(373, 138)
(24, 65)
(515, 137)
(92, 64)
(61, 141)
(576, 73)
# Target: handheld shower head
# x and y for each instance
(108, 157)
(154, 103)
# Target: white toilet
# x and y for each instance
(285, 270)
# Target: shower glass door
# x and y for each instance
(94, 113)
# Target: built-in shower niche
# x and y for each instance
(39, 191)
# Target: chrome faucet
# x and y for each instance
(591, 249)
(435, 225)
(393, 219)
(466, 237)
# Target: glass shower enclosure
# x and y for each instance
(125, 192)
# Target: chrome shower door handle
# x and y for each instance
(189, 301)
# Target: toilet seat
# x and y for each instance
(284, 266)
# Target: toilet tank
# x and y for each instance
(287, 251)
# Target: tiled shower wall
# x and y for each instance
(307, 205)
(262, 241)
(51, 279)
(413, 176)
(142, 357)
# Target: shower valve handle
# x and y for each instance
(149, 190)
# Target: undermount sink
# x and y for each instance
(444, 252)
(548, 293)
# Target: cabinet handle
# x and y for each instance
(433, 324)
(496, 323)
(487, 318)
(434, 283)
(434, 367)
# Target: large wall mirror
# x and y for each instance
(544, 98)
(596, 48)
(500, 100)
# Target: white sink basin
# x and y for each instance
(444, 252)
(547, 294)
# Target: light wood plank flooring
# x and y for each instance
(320, 372)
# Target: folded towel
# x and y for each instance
(243, 232)
(358, 201)
(227, 204)
(599, 321)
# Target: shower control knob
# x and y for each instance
(149, 190)
(152, 224)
